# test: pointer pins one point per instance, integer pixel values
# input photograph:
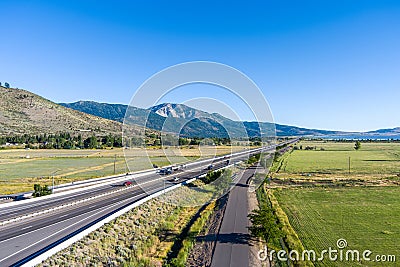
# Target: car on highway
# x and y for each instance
(210, 167)
(127, 183)
(165, 171)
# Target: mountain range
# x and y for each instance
(172, 117)
(23, 112)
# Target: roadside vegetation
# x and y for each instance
(179, 258)
(39, 191)
(141, 237)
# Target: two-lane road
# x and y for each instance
(232, 247)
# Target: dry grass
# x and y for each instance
(24, 112)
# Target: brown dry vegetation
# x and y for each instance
(22, 112)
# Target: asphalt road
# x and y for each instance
(232, 248)
(23, 240)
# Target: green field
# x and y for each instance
(373, 160)
(325, 202)
(367, 217)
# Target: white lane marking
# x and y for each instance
(63, 228)
(65, 215)
(27, 227)
(25, 248)
(72, 195)
(114, 204)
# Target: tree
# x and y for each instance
(264, 224)
(6, 85)
(183, 141)
(357, 145)
(91, 142)
(40, 190)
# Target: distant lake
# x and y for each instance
(360, 137)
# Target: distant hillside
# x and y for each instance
(174, 118)
(392, 131)
(115, 112)
(24, 112)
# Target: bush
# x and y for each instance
(40, 190)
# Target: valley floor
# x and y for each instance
(324, 200)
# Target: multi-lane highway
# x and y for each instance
(23, 240)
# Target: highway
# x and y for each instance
(23, 240)
(193, 170)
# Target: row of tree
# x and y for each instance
(62, 141)
(154, 139)
(67, 141)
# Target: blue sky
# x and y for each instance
(320, 64)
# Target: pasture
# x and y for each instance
(368, 218)
(331, 159)
(322, 210)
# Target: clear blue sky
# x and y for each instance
(321, 64)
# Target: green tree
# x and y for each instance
(40, 190)
(357, 145)
(91, 142)
(264, 224)
(183, 141)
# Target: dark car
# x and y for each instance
(166, 171)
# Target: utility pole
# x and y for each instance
(349, 165)
(115, 159)
(52, 175)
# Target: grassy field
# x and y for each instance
(373, 160)
(367, 217)
(20, 168)
(324, 202)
